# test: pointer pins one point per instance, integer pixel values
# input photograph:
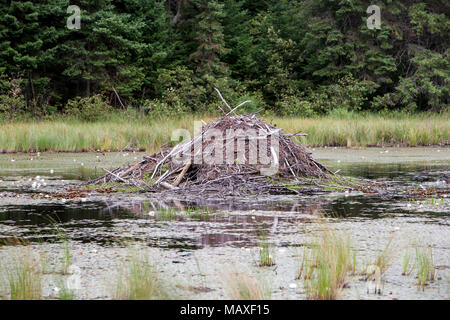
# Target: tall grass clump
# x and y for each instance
(326, 266)
(384, 259)
(241, 285)
(426, 270)
(66, 256)
(266, 253)
(407, 268)
(306, 265)
(24, 276)
(138, 279)
(64, 292)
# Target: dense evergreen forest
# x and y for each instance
(301, 57)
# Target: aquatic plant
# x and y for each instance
(326, 266)
(407, 268)
(199, 213)
(241, 285)
(434, 201)
(426, 270)
(138, 279)
(63, 291)
(266, 253)
(385, 257)
(24, 275)
(66, 257)
(166, 214)
(306, 265)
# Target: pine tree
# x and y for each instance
(104, 54)
(211, 44)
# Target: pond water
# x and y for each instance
(193, 238)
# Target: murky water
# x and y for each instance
(217, 231)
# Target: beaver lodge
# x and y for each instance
(234, 155)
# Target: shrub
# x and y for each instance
(291, 105)
(88, 109)
(12, 102)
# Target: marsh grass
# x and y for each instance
(326, 264)
(266, 253)
(306, 265)
(138, 279)
(241, 285)
(370, 130)
(24, 275)
(166, 214)
(197, 213)
(384, 259)
(151, 133)
(426, 270)
(64, 292)
(407, 266)
(66, 256)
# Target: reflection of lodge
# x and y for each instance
(214, 227)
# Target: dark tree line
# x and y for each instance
(299, 57)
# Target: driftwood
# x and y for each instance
(183, 172)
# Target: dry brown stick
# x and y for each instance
(181, 175)
(298, 134)
(127, 182)
(130, 169)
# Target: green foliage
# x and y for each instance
(303, 57)
(88, 109)
(12, 103)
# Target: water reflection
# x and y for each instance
(188, 224)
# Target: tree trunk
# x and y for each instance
(33, 94)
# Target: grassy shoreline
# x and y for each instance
(148, 134)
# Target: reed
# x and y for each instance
(426, 270)
(150, 133)
(138, 279)
(326, 265)
(241, 285)
(24, 275)
(266, 253)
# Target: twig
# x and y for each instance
(240, 105)
(118, 97)
(128, 182)
(226, 103)
(183, 172)
(168, 186)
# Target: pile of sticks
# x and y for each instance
(177, 169)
